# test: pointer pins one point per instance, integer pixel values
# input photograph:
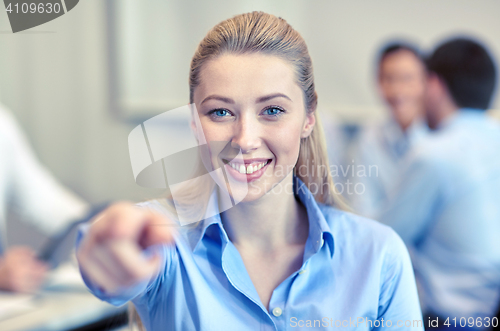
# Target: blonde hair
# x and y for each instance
(258, 32)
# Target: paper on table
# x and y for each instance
(14, 303)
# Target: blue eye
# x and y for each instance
(220, 112)
(273, 111)
(220, 115)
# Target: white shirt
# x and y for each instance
(27, 188)
(376, 158)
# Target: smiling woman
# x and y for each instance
(285, 251)
(252, 102)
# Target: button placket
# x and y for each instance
(277, 305)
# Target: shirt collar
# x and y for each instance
(195, 234)
(400, 141)
(319, 230)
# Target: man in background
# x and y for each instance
(447, 205)
(29, 191)
(381, 147)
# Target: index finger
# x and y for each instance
(158, 230)
(124, 221)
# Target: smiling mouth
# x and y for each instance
(247, 168)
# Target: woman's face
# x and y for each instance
(252, 114)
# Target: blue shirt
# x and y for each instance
(377, 156)
(447, 210)
(355, 273)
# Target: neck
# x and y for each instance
(446, 112)
(275, 220)
(405, 123)
(444, 109)
(404, 126)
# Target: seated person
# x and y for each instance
(29, 191)
(380, 148)
(447, 206)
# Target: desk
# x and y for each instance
(60, 308)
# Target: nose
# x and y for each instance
(392, 88)
(246, 134)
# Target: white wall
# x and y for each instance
(55, 76)
(157, 39)
(55, 80)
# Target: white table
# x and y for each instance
(64, 305)
(60, 311)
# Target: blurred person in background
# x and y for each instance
(447, 206)
(29, 191)
(380, 148)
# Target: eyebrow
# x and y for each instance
(259, 100)
(272, 96)
(218, 97)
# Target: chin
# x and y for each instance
(247, 192)
(255, 190)
(252, 196)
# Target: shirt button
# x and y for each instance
(302, 271)
(277, 311)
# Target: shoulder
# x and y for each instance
(360, 234)
(430, 156)
(366, 246)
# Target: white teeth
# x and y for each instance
(250, 169)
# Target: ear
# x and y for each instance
(436, 85)
(308, 124)
(192, 124)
